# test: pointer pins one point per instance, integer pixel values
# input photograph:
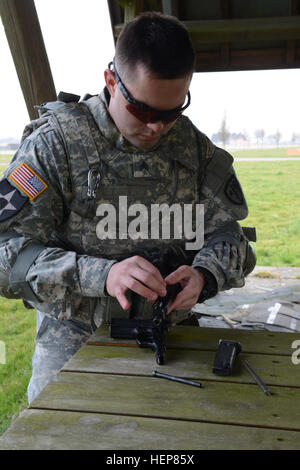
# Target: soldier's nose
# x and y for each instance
(156, 127)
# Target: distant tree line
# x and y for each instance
(225, 137)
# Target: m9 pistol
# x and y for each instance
(148, 333)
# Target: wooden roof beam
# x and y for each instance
(27, 47)
(244, 29)
(240, 30)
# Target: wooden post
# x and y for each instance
(171, 7)
(27, 47)
(115, 14)
(132, 8)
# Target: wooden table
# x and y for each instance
(106, 398)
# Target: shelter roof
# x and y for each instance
(229, 34)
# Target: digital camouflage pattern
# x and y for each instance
(56, 342)
(184, 168)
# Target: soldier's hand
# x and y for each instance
(192, 282)
(138, 275)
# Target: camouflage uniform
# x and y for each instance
(75, 159)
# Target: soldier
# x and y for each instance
(78, 160)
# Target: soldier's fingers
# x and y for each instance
(181, 306)
(149, 280)
(122, 299)
(175, 302)
(176, 276)
(149, 267)
(183, 301)
(172, 307)
(136, 286)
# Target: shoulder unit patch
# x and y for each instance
(28, 181)
(234, 191)
(11, 201)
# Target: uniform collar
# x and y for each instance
(98, 106)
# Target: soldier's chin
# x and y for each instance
(145, 141)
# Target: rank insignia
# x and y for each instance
(11, 201)
(234, 191)
(27, 180)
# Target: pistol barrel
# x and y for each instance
(175, 379)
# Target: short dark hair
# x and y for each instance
(159, 42)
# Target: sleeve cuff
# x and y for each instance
(210, 288)
(92, 275)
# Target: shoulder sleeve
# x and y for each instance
(31, 199)
(37, 180)
(221, 192)
(35, 192)
(225, 247)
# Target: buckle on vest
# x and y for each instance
(94, 177)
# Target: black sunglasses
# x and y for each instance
(143, 112)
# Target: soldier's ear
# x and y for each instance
(110, 81)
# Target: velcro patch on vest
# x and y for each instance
(141, 170)
(234, 191)
(11, 201)
(28, 181)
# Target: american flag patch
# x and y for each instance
(27, 180)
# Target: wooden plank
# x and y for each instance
(207, 339)
(247, 59)
(274, 370)
(54, 430)
(222, 403)
(27, 47)
(240, 30)
(244, 29)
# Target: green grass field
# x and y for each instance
(282, 152)
(5, 158)
(17, 331)
(273, 194)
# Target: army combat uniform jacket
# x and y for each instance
(71, 162)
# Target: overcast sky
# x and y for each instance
(79, 44)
